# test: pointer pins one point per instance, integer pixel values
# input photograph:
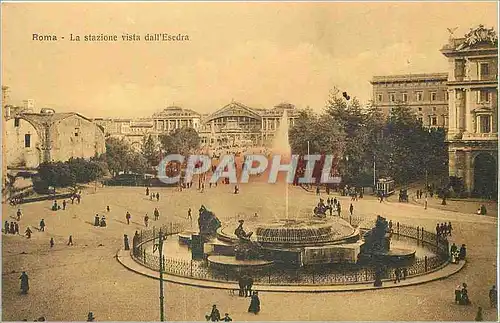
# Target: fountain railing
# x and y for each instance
(340, 274)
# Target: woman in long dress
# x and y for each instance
(254, 304)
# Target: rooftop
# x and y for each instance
(410, 78)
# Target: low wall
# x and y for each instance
(347, 274)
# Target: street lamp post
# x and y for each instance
(308, 148)
(159, 246)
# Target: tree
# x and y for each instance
(182, 141)
(150, 151)
(348, 114)
(116, 156)
(120, 157)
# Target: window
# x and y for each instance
(392, 97)
(420, 96)
(434, 121)
(433, 109)
(433, 96)
(27, 140)
(485, 124)
(405, 97)
(77, 131)
(446, 95)
(420, 119)
(16, 122)
(379, 97)
(483, 96)
(459, 69)
(484, 71)
(419, 109)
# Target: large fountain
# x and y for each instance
(287, 238)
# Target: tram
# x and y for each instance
(385, 186)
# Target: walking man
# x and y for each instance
(146, 219)
(19, 214)
(70, 241)
(42, 225)
(24, 283)
(156, 214)
(351, 208)
(51, 242)
(127, 216)
(493, 297)
(189, 214)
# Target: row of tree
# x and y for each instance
(398, 144)
(69, 173)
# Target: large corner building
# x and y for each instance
(473, 110)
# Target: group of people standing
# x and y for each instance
(443, 229)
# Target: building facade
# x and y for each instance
(33, 138)
(473, 110)
(233, 124)
(425, 94)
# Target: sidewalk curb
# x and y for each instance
(121, 257)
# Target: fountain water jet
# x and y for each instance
(281, 146)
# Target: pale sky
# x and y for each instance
(259, 54)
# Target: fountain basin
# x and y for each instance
(305, 232)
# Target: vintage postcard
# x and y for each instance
(249, 161)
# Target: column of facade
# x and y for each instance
(460, 104)
(468, 172)
(467, 110)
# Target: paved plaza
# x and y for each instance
(66, 282)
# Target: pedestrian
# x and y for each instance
(405, 273)
(449, 228)
(241, 285)
(146, 219)
(156, 214)
(438, 232)
(236, 189)
(147, 191)
(51, 242)
(90, 317)
(107, 208)
(317, 190)
(7, 227)
(463, 252)
(214, 315)
(339, 208)
(151, 196)
(96, 220)
(125, 242)
(227, 318)
(493, 297)
(458, 294)
(12, 228)
(254, 304)
(24, 283)
(42, 225)
(64, 204)
(397, 275)
(189, 214)
(351, 208)
(16, 228)
(248, 286)
(70, 241)
(157, 196)
(425, 204)
(18, 214)
(28, 232)
(453, 249)
(479, 314)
